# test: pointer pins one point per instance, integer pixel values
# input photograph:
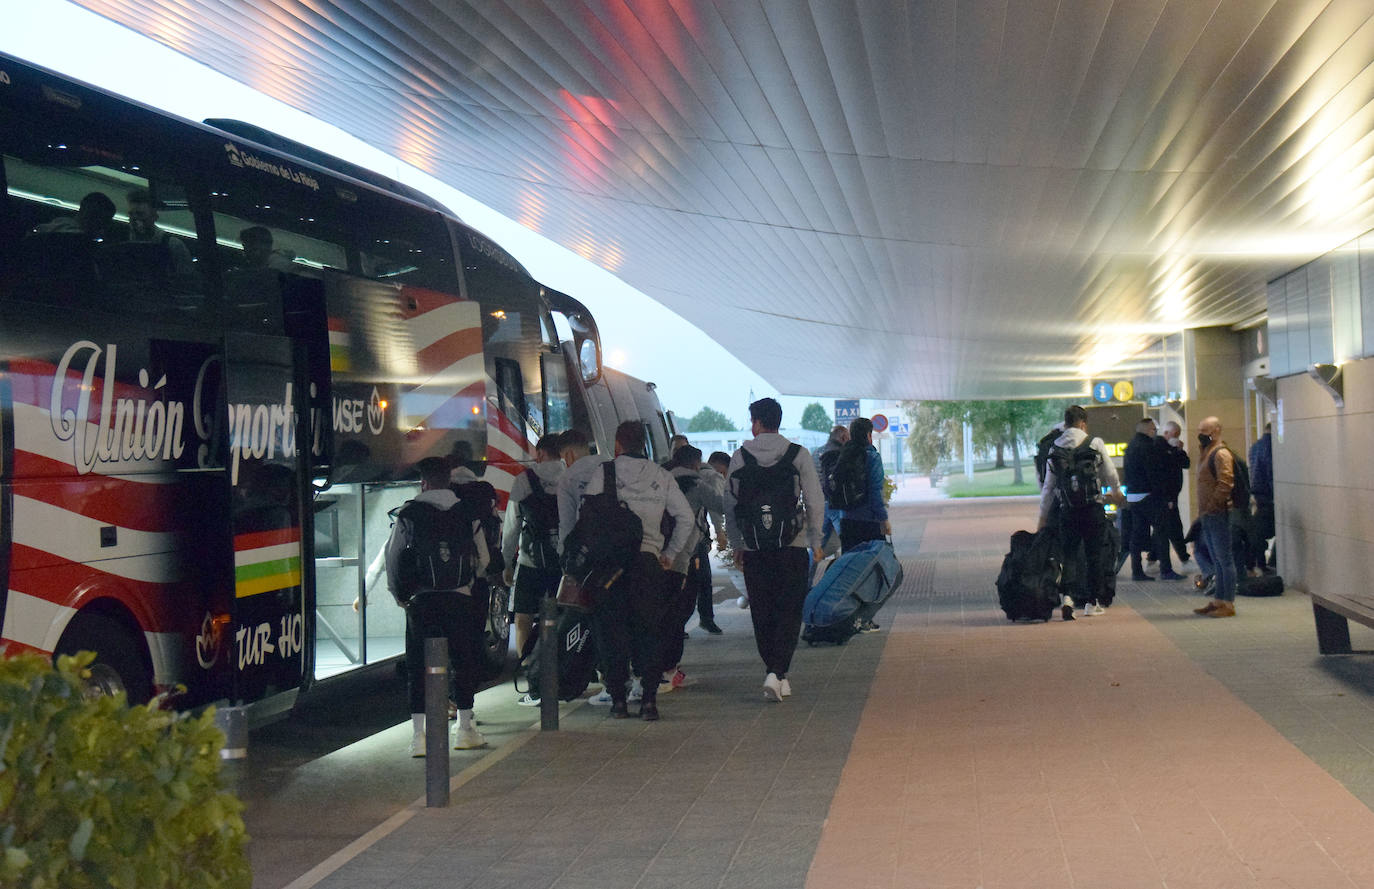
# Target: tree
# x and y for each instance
(709, 420)
(1003, 424)
(815, 418)
(929, 441)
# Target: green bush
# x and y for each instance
(97, 794)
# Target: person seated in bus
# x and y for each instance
(56, 261)
(176, 258)
(94, 218)
(258, 250)
(253, 291)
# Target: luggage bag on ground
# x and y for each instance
(851, 591)
(1028, 585)
(1264, 585)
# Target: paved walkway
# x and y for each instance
(1145, 747)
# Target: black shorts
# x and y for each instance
(531, 585)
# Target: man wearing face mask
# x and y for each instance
(1215, 478)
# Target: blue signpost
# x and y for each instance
(846, 411)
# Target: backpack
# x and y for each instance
(1075, 473)
(441, 555)
(479, 499)
(1042, 453)
(1240, 480)
(539, 525)
(606, 536)
(576, 653)
(767, 507)
(849, 478)
(827, 466)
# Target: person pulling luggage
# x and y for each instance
(1077, 471)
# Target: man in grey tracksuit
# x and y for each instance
(633, 611)
(776, 579)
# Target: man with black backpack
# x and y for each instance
(1071, 501)
(529, 539)
(630, 607)
(1223, 484)
(773, 513)
(435, 559)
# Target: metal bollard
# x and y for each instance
(436, 723)
(549, 645)
(233, 721)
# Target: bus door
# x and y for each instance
(265, 462)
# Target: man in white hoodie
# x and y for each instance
(634, 610)
(523, 543)
(772, 534)
(1079, 519)
(434, 560)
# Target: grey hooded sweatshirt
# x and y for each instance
(768, 448)
(649, 491)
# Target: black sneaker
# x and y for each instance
(1066, 612)
(1140, 578)
(648, 710)
(710, 627)
(619, 710)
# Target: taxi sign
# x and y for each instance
(880, 422)
(846, 411)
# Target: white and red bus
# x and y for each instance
(218, 361)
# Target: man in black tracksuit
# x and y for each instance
(1139, 517)
(1174, 462)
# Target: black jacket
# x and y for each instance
(1137, 475)
(1173, 462)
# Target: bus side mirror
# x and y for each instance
(589, 357)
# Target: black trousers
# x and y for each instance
(458, 619)
(681, 602)
(1081, 532)
(777, 583)
(699, 580)
(1173, 530)
(628, 621)
(854, 532)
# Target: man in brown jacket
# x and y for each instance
(1215, 478)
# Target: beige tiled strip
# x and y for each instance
(1091, 754)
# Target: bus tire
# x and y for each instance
(496, 633)
(120, 663)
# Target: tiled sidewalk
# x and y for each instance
(953, 749)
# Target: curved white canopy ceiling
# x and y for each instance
(899, 199)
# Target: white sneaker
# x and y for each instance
(1088, 610)
(785, 688)
(468, 739)
(1094, 609)
(772, 687)
(636, 691)
(528, 700)
(600, 699)
(742, 602)
(417, 745)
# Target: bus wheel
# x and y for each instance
(119, 664)
(497, 633)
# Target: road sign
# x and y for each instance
(846, 411)
(880, 422)
(900, 430)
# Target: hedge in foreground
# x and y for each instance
(97, 794)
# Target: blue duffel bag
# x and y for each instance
(852, 590)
